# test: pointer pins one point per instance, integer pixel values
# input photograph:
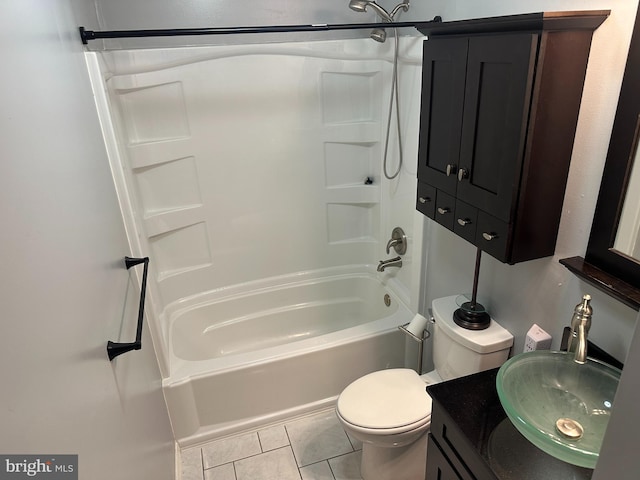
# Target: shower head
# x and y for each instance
(379, 35)
(361, 6)
(404, 6)
(358, 5)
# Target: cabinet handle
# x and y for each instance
(489, 236)
(424, 199)
(463, 222)
(451, 169)
(462, 173)
(444, 210)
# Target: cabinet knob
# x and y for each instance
(451, 169)
(444, 210)
(463, 222)
(489, 236)
(462, 173)
(424, 199)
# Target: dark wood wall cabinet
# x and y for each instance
(500, 103)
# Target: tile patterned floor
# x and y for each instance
(315, 447)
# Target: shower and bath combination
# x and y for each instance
(380, 35)
(165, 156)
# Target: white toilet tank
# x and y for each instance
(457, 351)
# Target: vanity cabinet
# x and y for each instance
(499, 109)
(471, 437)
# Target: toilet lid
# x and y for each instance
(385, 399)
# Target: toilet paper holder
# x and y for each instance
(418, 330)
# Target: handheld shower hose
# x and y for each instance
(380, 35)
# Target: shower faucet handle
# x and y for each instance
(398, 241)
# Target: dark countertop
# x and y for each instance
(472, 403)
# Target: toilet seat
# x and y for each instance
(386, 402)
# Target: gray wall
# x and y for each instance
(65, 290)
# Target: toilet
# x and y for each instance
(389, 411)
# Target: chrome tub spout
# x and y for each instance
(392, 262)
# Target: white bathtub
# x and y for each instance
(251, 355)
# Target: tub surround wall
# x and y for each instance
(249, 162)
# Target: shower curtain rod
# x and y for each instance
(87, 35)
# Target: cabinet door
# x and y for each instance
(499, 81)
(443, 80)
(438, 467)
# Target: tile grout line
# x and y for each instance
(350, 442)
(201, 461)
(291, 446)
(331, 469)
(293, 453)
(260, 441)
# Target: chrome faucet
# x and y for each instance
(398, 242)
(392, 262)
(580, 325)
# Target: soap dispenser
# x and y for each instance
(580, 325)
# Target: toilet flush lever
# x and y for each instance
(398, 241)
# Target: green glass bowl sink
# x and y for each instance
(560, 406)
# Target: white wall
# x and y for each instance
(65, 291)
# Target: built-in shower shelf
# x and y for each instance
(154, 111)
(353, 194)
(167, 221)
(166, 274)
(367, 133)
(181, 250)
(136, 81)
(156, 153)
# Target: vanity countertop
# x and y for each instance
(493, 448)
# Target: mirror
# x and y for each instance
(612, 260)
(628, 236)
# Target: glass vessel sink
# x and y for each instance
(560, 406)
